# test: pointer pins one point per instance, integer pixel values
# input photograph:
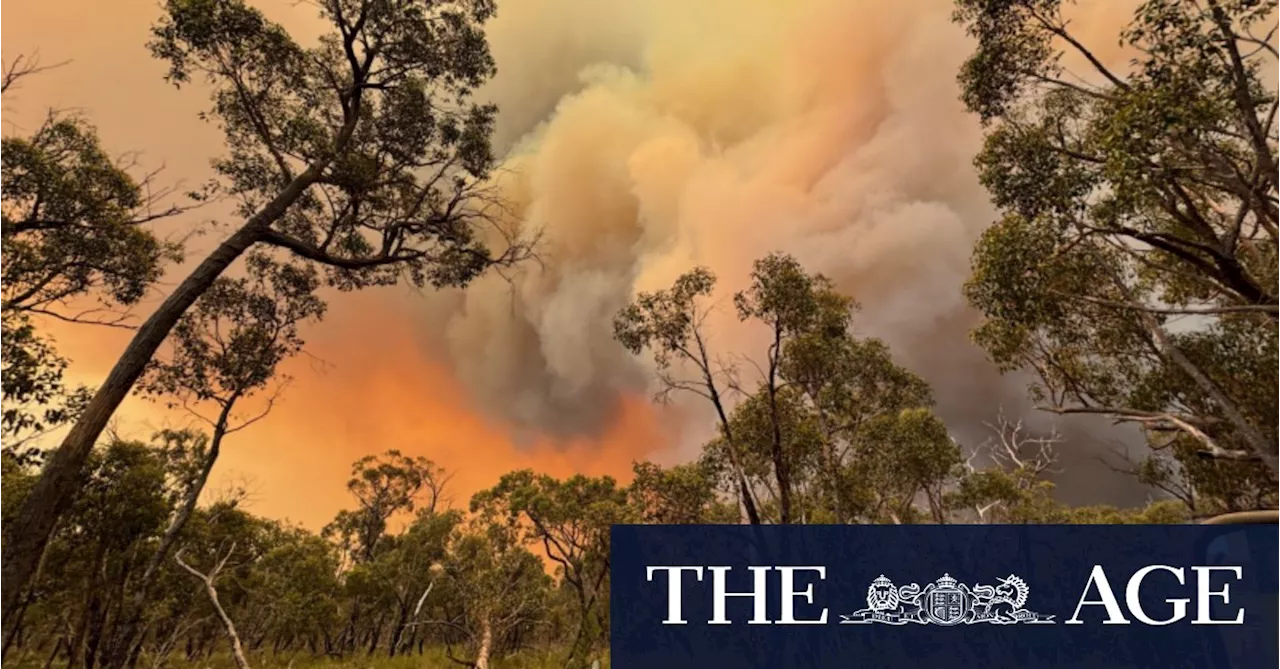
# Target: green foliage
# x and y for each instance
(375, 121)
(75, 245)
(570, 521)
(72, 222)
(497, 589)
(363, 157)
(35, 397)
(296, 585)
(472, 587)
(669, 324)
(679, 495)
(833, 431)
(16, 480)
(383, 485)
(782, 295)
(665, 321)
(1013, 47)
(1134, 269)
(231, 341)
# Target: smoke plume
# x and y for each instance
(644, 138)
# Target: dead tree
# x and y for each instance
(210, 589)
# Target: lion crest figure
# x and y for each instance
(882, 595)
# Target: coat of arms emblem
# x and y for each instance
(947, 602)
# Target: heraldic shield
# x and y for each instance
(946, 605)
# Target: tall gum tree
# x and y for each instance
(363, 154)
(671, 325)
(830, 427)
(570, 520)
(1134, 268)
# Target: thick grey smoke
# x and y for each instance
(647, 137)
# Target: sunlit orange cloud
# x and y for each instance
(367, 401)
(367, 385)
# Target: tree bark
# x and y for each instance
(744, 489)
(93, 589)
(1266, 449)
(486, 643)
(375, 636)
(237, 648)
(397, 631)
(53, 654)
(829, 461)
(780, 464)
(60, 482)
(408, 619)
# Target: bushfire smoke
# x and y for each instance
(642, 138)
(647, 138)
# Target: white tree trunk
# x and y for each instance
(237, 649)
(486, 643)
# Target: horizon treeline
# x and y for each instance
(523, 568)
(1132, 274)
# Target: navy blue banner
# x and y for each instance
(914, 597)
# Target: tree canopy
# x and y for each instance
(363, 155)
(1134, 268)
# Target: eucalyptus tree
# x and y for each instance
(684, 494)
(383, 486)
(1134, 268)
(833, 429)
(364, 154)
(569, 519)
(671, 325)
(408, 570)
(497, 585)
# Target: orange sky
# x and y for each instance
(366, 385)
(646, 136)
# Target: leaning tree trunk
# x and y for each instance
(13, 621)
(60, 482)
